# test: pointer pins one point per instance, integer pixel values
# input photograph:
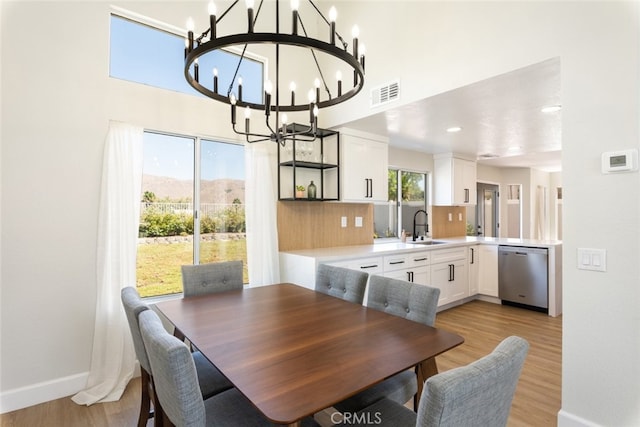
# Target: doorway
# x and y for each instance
(487, 213)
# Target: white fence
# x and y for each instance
(206, 209)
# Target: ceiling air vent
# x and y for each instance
(383, 94)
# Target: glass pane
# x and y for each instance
(166, 214)
(385, 215)
(154, 57)
(222, 202)
(412, 189)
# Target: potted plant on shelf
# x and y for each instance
(299, 191)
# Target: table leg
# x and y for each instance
(424, 370)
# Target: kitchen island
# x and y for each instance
(464, 268)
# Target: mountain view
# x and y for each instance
(221, 191)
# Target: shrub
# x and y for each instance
(158, 224)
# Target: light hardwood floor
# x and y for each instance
(482, 324)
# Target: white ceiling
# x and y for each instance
(499, 116)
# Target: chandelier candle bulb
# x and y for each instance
(247, 115)
(355, 32)
(294, 11)
(250, 15)
(232, 101)
(212, 20)
(333, 14)
(267, 97)
(190, 27)
(292, 87)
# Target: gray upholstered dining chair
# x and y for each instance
(412, 301)
(212, 277)
(341, 282)
(210, 380)
(479, 394)
(176, 384)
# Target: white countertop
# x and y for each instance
(389, 248)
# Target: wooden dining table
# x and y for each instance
(294, 352)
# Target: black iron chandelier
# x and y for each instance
(273, 105)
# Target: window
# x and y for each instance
(172, 232)
(407, 195)
(155, 57)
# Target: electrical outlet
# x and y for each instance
(358, 221)
(343, 222)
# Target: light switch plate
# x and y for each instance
(343, 222)
(592, 259)
(358, 221)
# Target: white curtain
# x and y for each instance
(261, 216)
(113, 358)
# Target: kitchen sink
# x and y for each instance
(426, 242)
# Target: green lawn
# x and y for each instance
(158, 264)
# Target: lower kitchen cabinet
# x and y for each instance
(449, 273)
(474, 269)
(488, 270)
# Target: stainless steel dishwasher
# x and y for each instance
(523, 276)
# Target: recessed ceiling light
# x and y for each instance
(551, 108)
(454, 129)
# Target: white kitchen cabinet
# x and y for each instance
(449, 272)
(363, 170)
(488, 270)
(474, 269)
(409, 267)
(455, 181)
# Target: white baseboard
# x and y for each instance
(23, 397)
(566, 419)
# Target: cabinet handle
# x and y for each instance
(396, 262)
(369, 189)
(451, 273)
(466, 195)
(369, 266)
(472, 253)
(410, 276)
(420, 259)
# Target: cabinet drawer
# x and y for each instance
(402, 261)
(396, 262)
(447, 255)
(368, 265)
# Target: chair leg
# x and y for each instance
(424, 370)
(159, 418)
(145, 399)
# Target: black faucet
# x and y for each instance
(425, 225)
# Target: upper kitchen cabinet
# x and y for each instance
(363, 169)
(455, 180)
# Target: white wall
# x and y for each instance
(57, 100)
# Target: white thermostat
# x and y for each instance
(620, 161)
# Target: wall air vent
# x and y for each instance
(383, 94)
